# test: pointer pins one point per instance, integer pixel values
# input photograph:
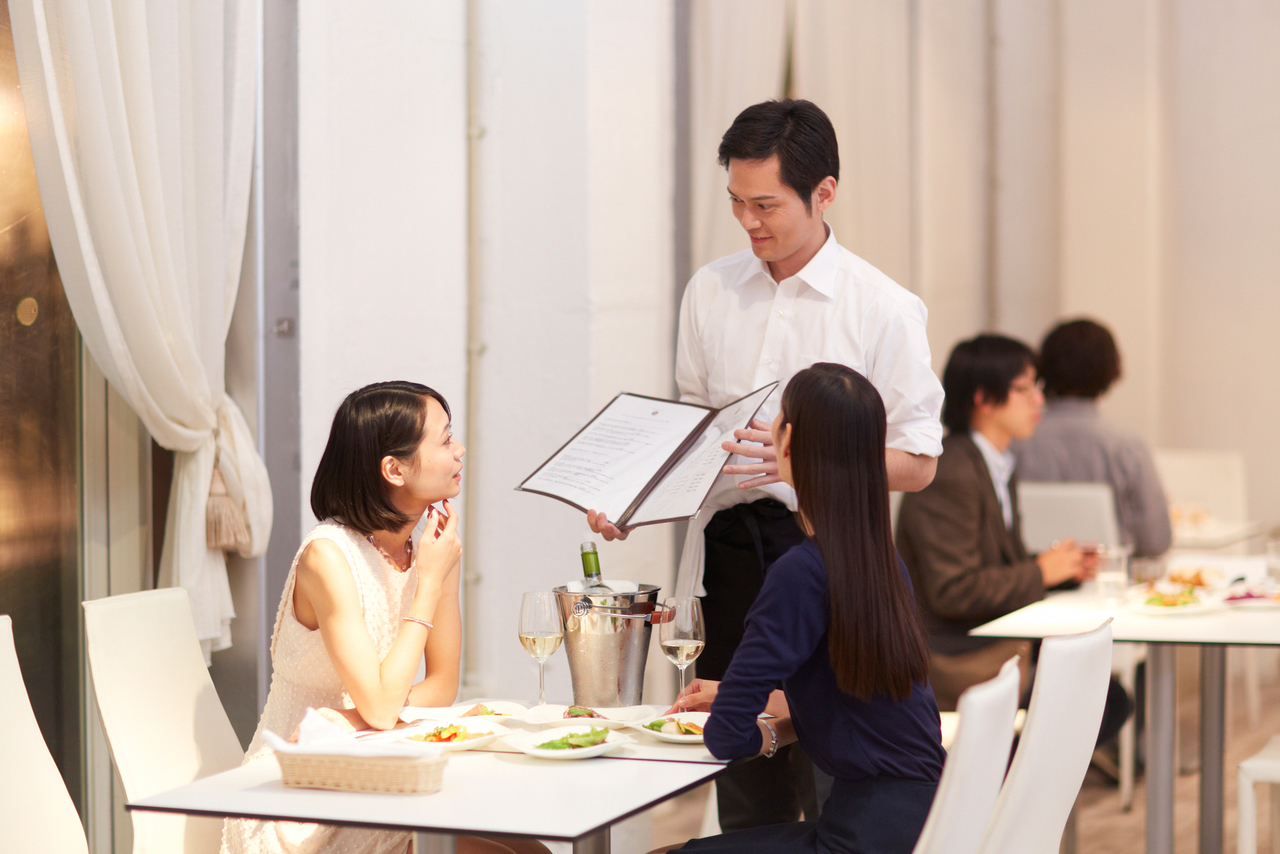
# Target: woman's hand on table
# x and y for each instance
(348, 720)
(697, 697)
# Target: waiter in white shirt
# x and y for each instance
(795, 298)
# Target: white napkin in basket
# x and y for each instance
(317, 735)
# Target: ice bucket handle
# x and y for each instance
(582, 607)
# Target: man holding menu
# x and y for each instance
(796, 298)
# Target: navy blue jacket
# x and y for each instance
(786, 642)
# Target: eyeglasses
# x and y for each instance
(1028, 388)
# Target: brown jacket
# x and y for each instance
(966, 567)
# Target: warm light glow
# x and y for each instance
(28, 309)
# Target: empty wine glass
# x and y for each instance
(682, 634)
(541, 630)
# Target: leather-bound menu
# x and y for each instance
(643, 460)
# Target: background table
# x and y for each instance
(1080, 610)
(484, 792)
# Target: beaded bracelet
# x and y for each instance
(419, 622)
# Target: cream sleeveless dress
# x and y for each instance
(304, 676)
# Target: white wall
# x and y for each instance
(573, 112)
(575, 107)
(1220, 352)
(382, 205)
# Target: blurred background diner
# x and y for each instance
(508, 198)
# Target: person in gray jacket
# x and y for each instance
(1079, 361)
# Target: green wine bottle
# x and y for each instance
(591, 571)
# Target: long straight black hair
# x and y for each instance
(380, 420)
(876, 641)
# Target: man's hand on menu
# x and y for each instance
(602, 526)
(767, 468)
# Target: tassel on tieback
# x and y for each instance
(225, 524)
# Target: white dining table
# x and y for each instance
(1213, 631)
(491, 792)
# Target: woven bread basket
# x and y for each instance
(394, 775)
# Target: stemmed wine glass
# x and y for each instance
(541, 630)
(682, 634)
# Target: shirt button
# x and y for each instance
(782, 314)
(768, 361)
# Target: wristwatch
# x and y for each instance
(773, 739)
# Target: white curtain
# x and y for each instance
(738, 57)
(141, 119)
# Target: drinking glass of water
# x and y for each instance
(541, 631)
(1113, 574)
(682, 634)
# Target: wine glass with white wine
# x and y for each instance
(682, 634)
(541, 631)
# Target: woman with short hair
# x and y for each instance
(366, 599)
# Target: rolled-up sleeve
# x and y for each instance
(902, 372)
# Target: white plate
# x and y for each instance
(503, 710)
(1201, 607)
(1252, 604)
(699, 718)
(490, 728)
(527, 742)
(553, 714)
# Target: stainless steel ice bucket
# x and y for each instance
(606, 638)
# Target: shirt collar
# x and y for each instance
(1073, 405)
(820, 272)
(999, 463)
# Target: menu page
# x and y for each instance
(617, 454)
(682, 491)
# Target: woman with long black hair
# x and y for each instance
(836, 624)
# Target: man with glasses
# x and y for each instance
(960, 535)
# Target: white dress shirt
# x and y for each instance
(1000, 466)
(740, 330)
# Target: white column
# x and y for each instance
(382, 186)
(1025, 192)
(575, 283)
(1112, 155)
(1220, 349)
(951, 170)
(853, 59)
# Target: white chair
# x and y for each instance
(1262, 767)
(36, 813)
(164, 722)
(1057, 740)
(1211, 481)
(976, 762)
(1087, 512)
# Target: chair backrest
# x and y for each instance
(36, 813)
(1055, 511)
(976, 763)
(164, 722)
(1057, 741)
(1211, 481)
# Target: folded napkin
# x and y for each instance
(317, 735)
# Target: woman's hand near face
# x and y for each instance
(439, 549)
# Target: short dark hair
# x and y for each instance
(797, 132)
(986, 363)
(380, 420)
(1079, 358)
(876, 641)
